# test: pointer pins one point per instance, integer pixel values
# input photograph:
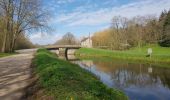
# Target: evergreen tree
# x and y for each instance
(166, 30)
(163, 15)
(166, 26)
(161, 24)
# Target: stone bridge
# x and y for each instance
(65, 47)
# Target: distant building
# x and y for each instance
(86, 42)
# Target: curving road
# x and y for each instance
(15, 74)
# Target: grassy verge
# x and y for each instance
(160, 54)
(5, 54)
(63, 80)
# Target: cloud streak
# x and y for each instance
(104, 15)
(64, 1)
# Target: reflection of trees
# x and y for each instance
(126, 78)
(125, 75)
(164, 75)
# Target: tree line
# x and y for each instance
(67, 39)
(136, 32)
(18, 17)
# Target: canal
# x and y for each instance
(138, 81)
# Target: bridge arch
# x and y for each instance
(66, 47)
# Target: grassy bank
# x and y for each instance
(62, 80)
(160, 54)
(5, 54)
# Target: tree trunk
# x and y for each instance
(4, 43)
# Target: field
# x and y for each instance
(159, 55)
(63, 80)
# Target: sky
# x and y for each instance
(84, 17)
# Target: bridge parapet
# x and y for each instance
(53, 47)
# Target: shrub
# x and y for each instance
(165, 43)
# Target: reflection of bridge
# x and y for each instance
(66, 47)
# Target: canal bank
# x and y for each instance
(139, 77)
(139, 81)
(160, 56)
(61, 79)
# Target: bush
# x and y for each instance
(165, 43)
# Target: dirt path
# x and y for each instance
(15, 73)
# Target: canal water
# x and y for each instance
(137, 81)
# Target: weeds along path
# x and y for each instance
(15, 73)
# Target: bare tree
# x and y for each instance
(125, 32)
(119, 24)
(67, 39)
(20, 16)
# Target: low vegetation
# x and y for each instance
(5, 54)
(160, 54)
(63, 80)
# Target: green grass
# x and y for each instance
(5, 54)
(159, 55)
(63, 80)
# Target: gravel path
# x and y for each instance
(15, 73)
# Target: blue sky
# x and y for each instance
(82, 17)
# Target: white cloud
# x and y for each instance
(103, 16)
(64, 1)
(44, 38)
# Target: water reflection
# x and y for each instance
(138, 81)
